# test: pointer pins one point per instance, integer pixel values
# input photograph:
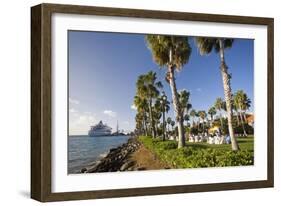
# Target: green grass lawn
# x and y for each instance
(196, 155)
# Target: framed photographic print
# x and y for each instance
(130, 102)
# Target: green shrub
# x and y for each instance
(196, 157)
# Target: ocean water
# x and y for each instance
(84, 151)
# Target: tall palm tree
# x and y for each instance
(169, 120)
(219, 105)
(142, 108)
(245, 106)
(139, 123)
(235, 108)
(186, 118)
(173, 53)
(212, 112)
(147, 88)
(185, 105)
(173, 124)
(156, 113)
(198, 120)
(242, 103)
(163, 106)
(202, 115)
(206, 45)
(193, 115)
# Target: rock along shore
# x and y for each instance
(118, 159)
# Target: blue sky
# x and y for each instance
(103, 69)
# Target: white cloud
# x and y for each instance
(85, 119)
(81, 123)
(109, 113)
(133, 107)
(73, 101)
(198, 89)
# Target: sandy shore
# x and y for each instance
(131, 156)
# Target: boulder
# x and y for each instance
(127, 165)
(83, 170)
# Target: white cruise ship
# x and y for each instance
(99, 129)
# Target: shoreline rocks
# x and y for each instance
(118, 159)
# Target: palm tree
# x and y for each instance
(156, 113)
(164, 107)
(186, 118)
(245, 106)
(142, 108)
(212, 112)
(139, 123)
(193, 115)
(219, 105)
(173, 53)
(235, 108)
(173, 124)
(198, 120)
(206, 45)
(169, 120)
(242, 103)
(147, 88)
(185, 106)
(202, 115)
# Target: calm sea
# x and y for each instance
(84, 151)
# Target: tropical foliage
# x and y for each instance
(147, 92)
(171, 52)
(207, 45)
(153, 105)
(241, 104)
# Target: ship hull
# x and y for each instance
(98, 135)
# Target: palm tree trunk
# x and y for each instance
(178, 114)
(237, 117)
(244, 131)
(243, 124)
(144, 123)
(144, 127)
(221, 121)
(156, 130)
(164, 126)
(241, 118)
(245, 118)
(168, 127)
(227, 94)
(152, 120)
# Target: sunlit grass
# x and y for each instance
(195, 155)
